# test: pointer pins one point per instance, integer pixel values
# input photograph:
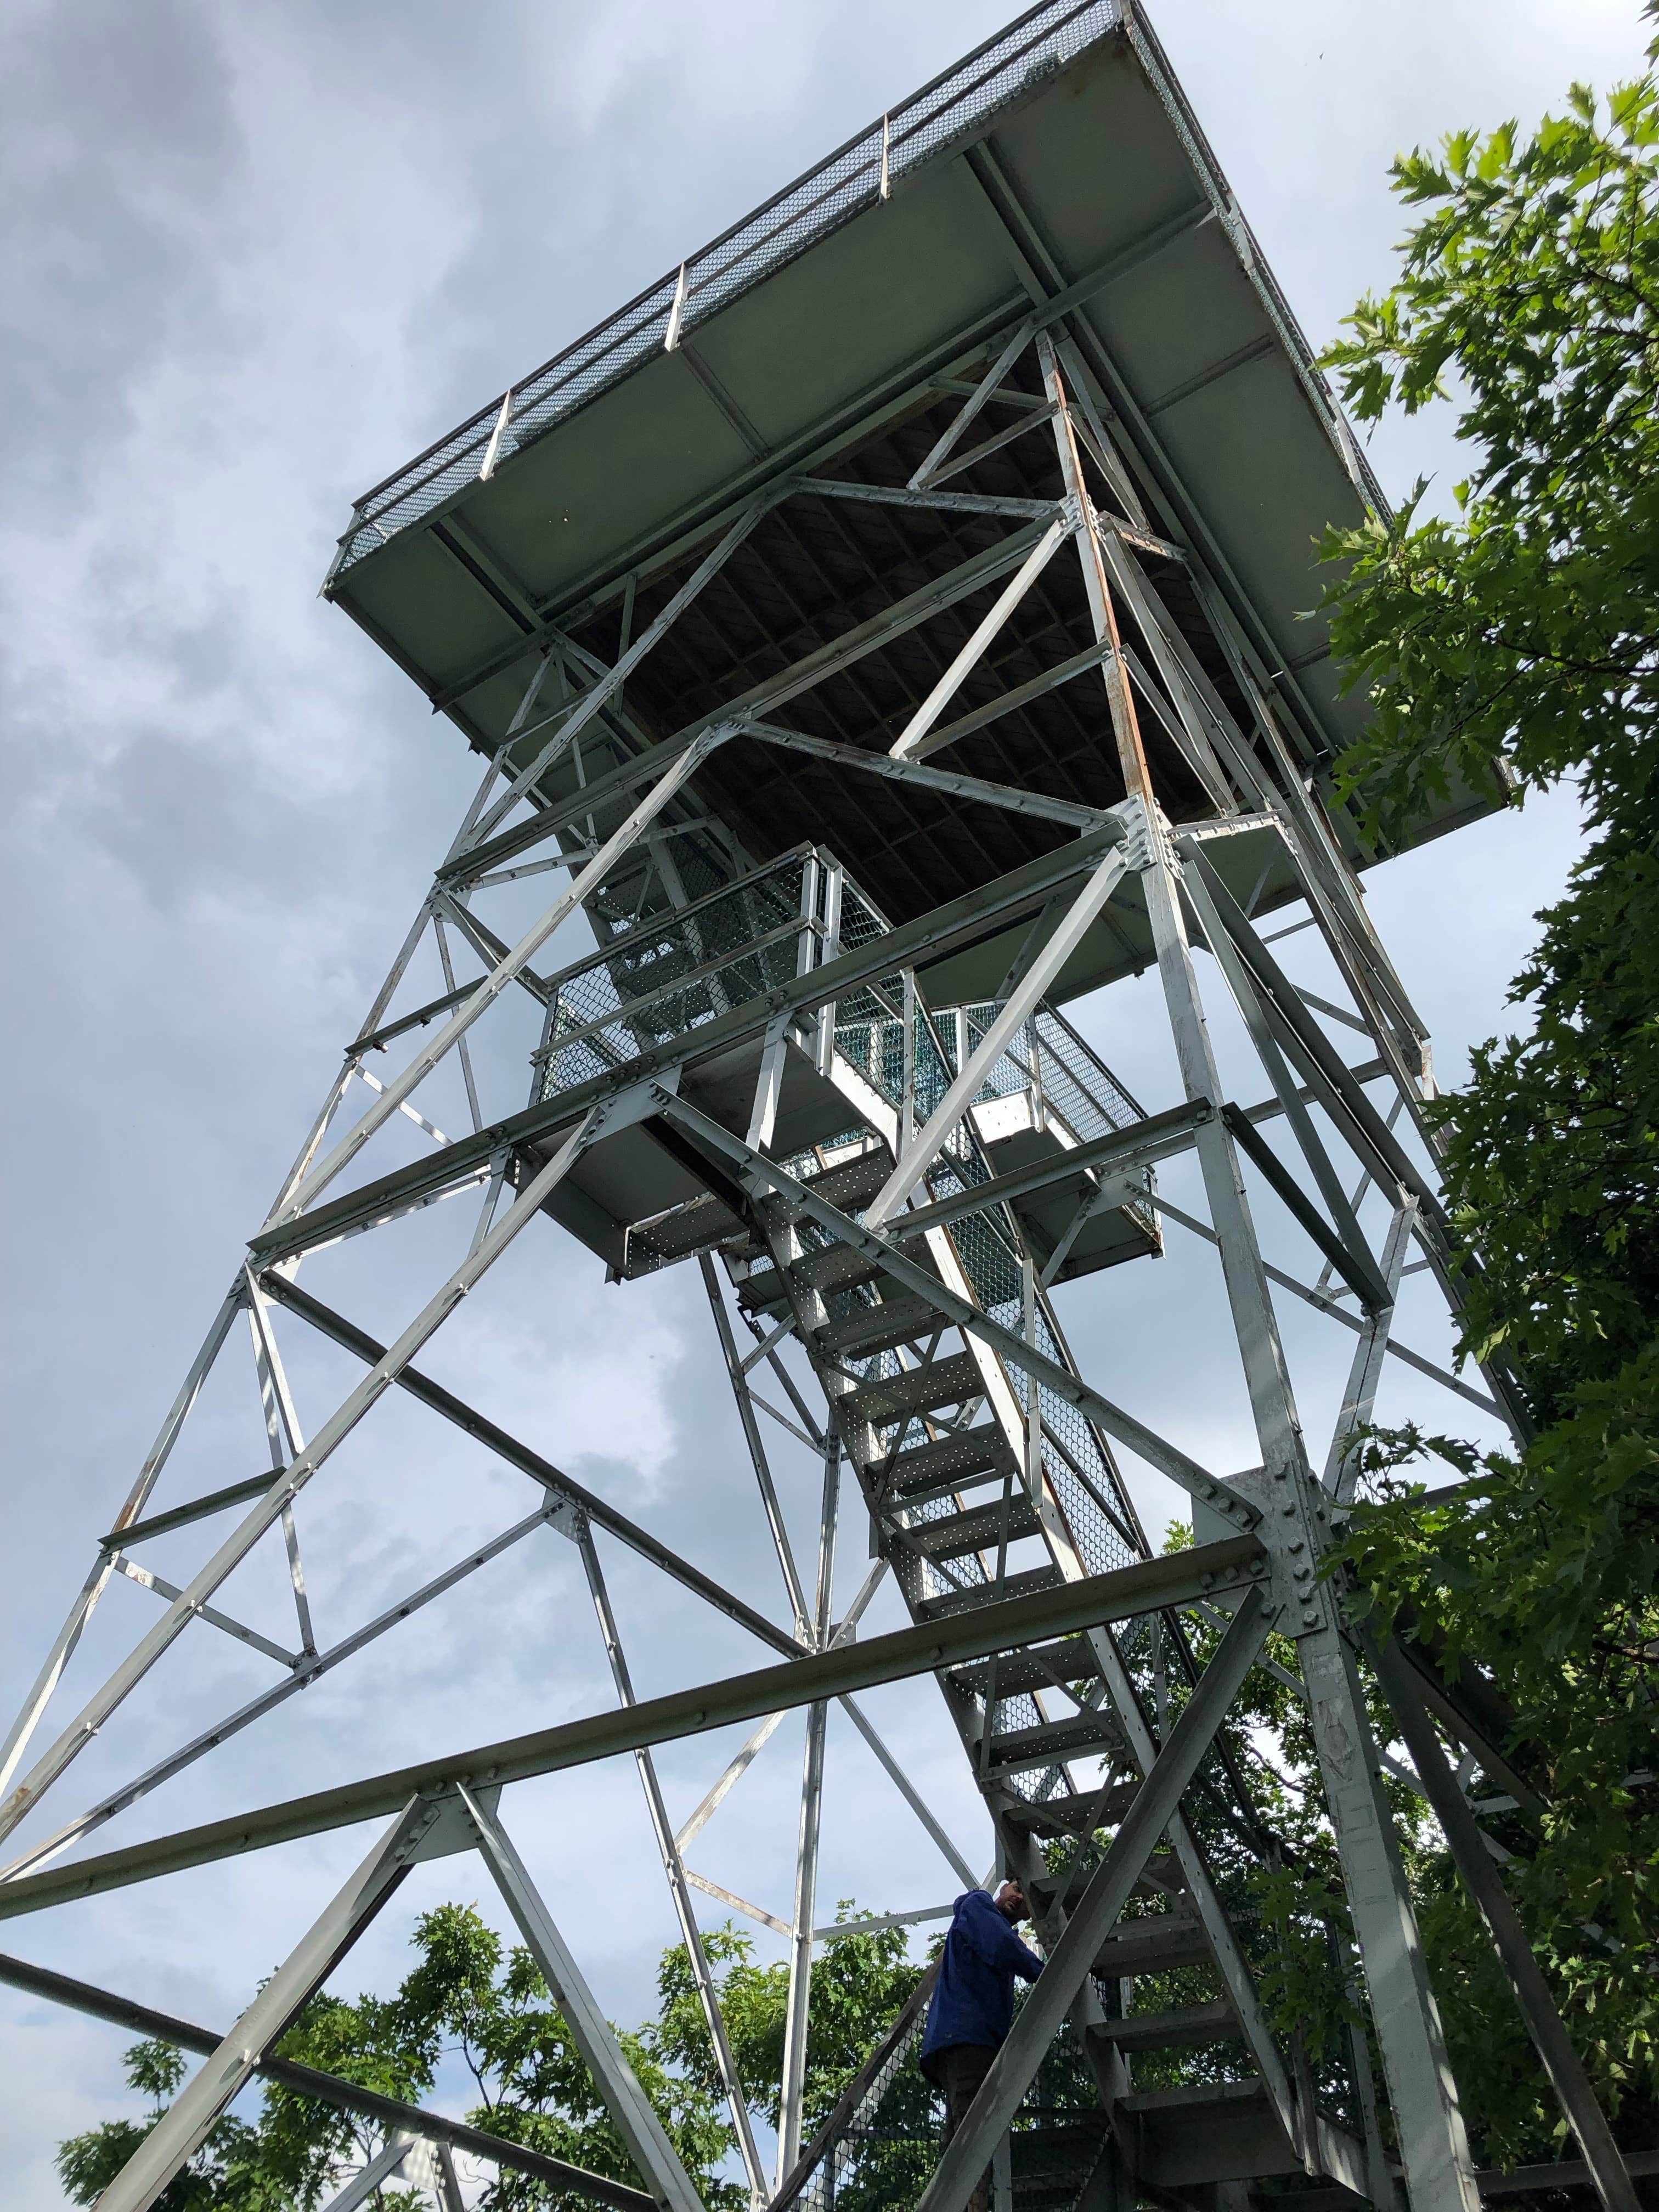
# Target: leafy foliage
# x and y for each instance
(470, 1997)
(1522, 630)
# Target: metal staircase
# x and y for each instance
(981, 1484)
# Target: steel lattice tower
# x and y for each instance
(921, 651)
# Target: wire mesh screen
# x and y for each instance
(850, 180)
(681, 968)
(879, 2155)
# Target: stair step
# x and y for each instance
(1069, 1813)
(945, 1463)
(850, 1183)
(878, 1328)
(965, 1600)
(953, 1535)
(833, 1268)
(1175, 2030)
(764, 1291)
(1188, 2139)
(1052, 2155)
(1071, 1660)
(950, 1381)
(1077, 1735)
(1161, 1876)
(830, 1268)
(1153, 1946)
(695, 1226)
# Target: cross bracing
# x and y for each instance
(801, 829)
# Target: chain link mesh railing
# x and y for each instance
(877, 2150)
(952, 106)
(683, 967)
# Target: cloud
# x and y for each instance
(251, 260)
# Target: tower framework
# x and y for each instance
(882, 636)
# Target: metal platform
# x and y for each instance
(1057, 176)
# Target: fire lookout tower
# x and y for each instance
(885, 634)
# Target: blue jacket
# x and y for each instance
(973, 1999)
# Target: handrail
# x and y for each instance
(853, 2094)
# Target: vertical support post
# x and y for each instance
(1438, 2173)
(449, 2182)
(796, 2022)
(679, 1889)
(833, 878)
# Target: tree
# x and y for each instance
(472, 1997)
(1515, 642)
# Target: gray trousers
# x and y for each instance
(957, 2072)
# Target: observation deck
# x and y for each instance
(770, 408)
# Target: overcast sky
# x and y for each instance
(253, 258)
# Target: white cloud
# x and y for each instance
(251, 260)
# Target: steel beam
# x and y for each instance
(553, 1479)
(506, 971)
(908, 769)
(948, 929)
(81, 1611)
(308, 1670)
(1179, 1579)
(1010, 1018)
(288, 1481)
(583, 710)
(719, 1144)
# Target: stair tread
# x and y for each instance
(1066, 1736)
(832, 1267)
(1151, 1945)
(693, 1227)
(878, 1328)
(850, 1184)
(763, 1290)
(948, 1382)
(1065, 1814)
(1167, 2031)
(1189, 2094)
(966, 1454)
(952, 1535)
(952, 1601)
(1070, 1660)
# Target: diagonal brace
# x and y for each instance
(1157, 1452)
(1014, 2068)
